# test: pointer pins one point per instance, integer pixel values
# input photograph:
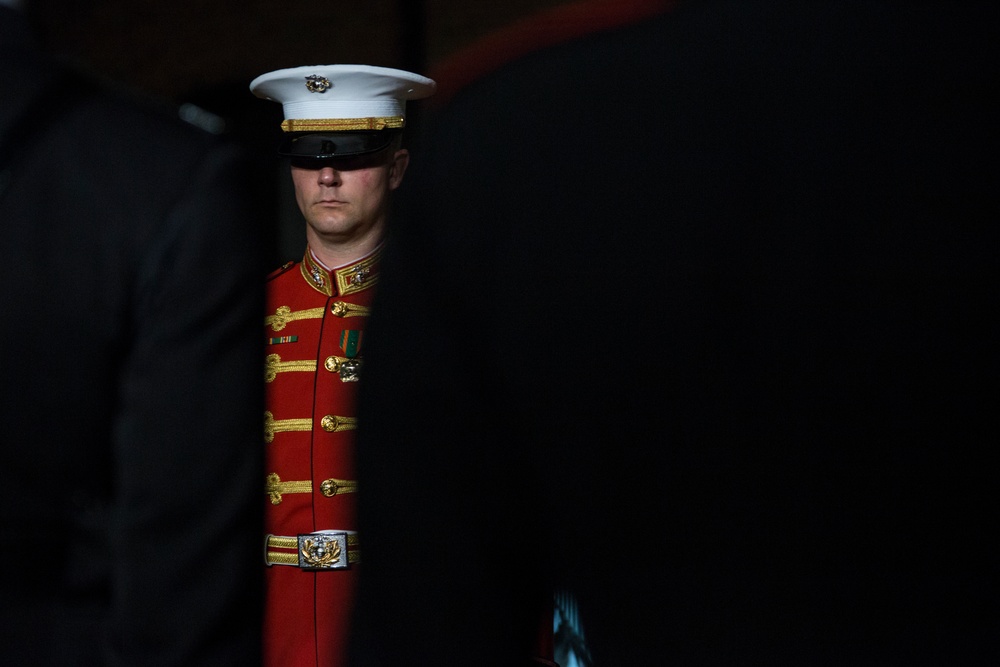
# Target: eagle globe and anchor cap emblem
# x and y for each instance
(318, 84)
(323, 98)
(340, 110)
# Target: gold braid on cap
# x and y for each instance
(342, 124)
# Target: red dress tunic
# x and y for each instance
(313, 330)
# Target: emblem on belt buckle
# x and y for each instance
(323, 551)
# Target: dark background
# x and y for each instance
(206, 52)
(179, 48)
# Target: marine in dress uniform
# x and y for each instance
(314, 334)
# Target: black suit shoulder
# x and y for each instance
(128, 263)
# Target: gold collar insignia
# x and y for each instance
(342, 281)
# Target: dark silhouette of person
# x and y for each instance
(129, 381)
(693, 318)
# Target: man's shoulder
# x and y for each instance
(92, 121)
(286, 284)
(281, 270)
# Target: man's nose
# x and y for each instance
(329, 176)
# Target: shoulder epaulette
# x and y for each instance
(281, 269)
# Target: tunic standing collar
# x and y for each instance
(348, 279)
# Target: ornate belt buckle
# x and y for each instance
(323, 551)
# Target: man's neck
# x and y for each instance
(336, 253)
(333, 256)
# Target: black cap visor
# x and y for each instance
(325, 145)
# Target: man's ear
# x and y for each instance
(397, 167)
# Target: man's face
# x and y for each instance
(345, 201)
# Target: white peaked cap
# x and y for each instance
(341, 93)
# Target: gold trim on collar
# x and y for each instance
(359, 276)
(345, 280)
(315, 275)
(342, 124)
